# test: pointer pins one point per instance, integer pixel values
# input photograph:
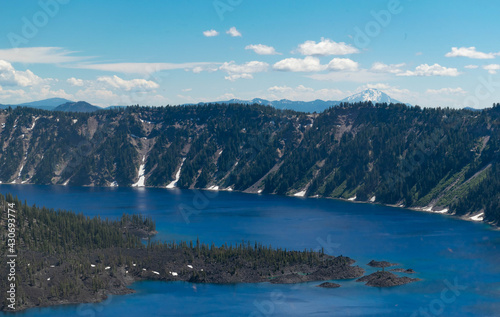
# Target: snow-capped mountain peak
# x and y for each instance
(373, 95)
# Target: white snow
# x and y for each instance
(52, 266)
(156, 273)
(126, 272)
(34, 123)
(478, 217)
(190, 266)
(92, 265)
(75, 120)
(214, 187)
(48, 279)
(229, 189)
(372, 200)
(114, 184)
(20, 171)
(173, 184)
(144, 269)
(142, 178)
(300, 194)
(373, 95)
(352, 198)
(66, 182)
(134, 264)
(259, 191)
(107, 267)
(174, 274)
(443, 211)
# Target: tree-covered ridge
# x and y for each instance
(391, 154)
(62, 257)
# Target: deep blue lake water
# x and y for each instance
(458, 261)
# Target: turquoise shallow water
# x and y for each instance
(458, 261)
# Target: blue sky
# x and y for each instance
(172, 52)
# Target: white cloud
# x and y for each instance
(210, 33)
(384, 68)
(145, 68)
(75, 82)
(46, 92)
(243, 71)
(303, 93)
(360, 76)
(345, 64)
(233, 32)
(431, 70)
(249, 67)
(471, 66)
(39, 55)
(446, 91)
(128, 85)
(492, 68)
(418, 53)
(235, 77)
(262, 49)
(308, 64)
(187, 89)
(326, 47)
(469, 52)
(226, 96)
(98, 96)
(9, 76)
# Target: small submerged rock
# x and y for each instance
(328, 285)
(374, 263)
(385, 279)
(408, 271)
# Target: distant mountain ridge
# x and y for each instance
(318, 105)
(46, 103)
(80, 106)
(56, 104)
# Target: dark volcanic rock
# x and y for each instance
(328, 285)
(408, 271)
(385, 279)
(374, 263)
(290, 279)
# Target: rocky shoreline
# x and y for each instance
(176, 266)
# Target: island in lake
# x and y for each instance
(65, 258)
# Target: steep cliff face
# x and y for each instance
(407, 156)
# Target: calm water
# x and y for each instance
(458, 261)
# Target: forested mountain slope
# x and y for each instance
(391, 154)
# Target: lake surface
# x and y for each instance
(458, 261)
